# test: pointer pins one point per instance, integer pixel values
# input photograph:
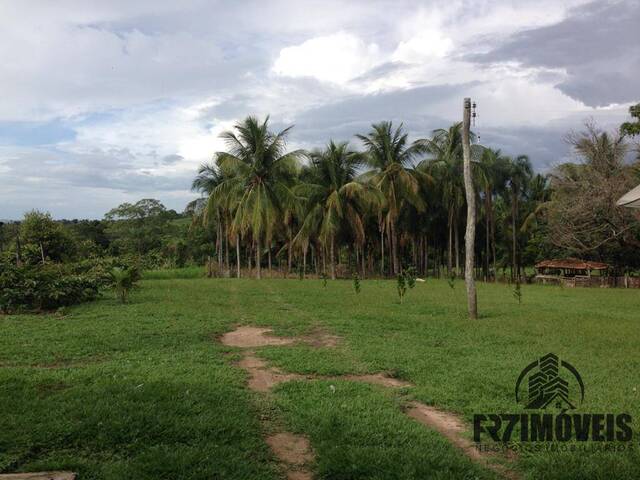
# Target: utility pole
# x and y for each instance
(470, 234)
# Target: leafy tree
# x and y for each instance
(140, 227)
(43, 238)
(632, 128)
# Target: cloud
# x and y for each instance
(596, 45)
(423, 47)
(335, 58)
(104, 102)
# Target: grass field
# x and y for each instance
(144, 390)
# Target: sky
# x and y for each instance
(108, 102)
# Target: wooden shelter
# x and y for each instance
(571, 271)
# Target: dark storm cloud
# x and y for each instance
(343, 119)
(545, 146)
(598, 45)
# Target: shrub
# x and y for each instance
(356, 281)
(43, 287)
(51, 286)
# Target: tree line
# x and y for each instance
(395, 203)
(375, 206)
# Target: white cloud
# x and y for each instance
(422, 47)
(139, 82)
(335, 58)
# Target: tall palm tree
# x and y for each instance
(334, 199)
(445, 148)
(520, 173)
(206, 181)
(261, 174)
(390, 156)
(492, 173)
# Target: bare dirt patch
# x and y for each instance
(452, 428)
(250, 337)
(262, 377)
(320, 339)
(294, 452)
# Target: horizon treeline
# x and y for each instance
(374, 206)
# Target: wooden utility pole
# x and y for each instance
(470, 234)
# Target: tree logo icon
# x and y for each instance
(548, 381)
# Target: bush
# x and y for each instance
(43, 287)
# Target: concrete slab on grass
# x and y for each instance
(39, 476)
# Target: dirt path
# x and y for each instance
(453, 429)
(294, 451)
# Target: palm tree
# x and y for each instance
(390, 156)
(261, 174)
(520, 173)
(206, 181)
(333, 197)
(445, 165)
(493, 172)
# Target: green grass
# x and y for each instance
(144, 391)
(174, 273)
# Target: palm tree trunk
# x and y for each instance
(304, 260)
(487, 234)
(394, 248)
(238, 255)
(457, 244)
(382, 252)
(258, 255)
(219, 252)
(226, 251)
(289, 252)
(493, 241)
(333, 264)
(426, 256)
(414, 252)
(514, 209)
(450, 253)
(269, 259)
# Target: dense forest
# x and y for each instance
(374, 205)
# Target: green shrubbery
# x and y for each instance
(44, 287)
(51, 286)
